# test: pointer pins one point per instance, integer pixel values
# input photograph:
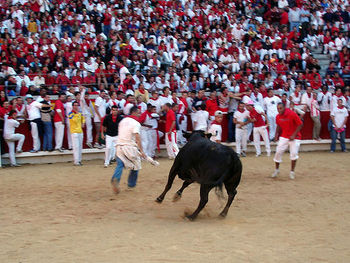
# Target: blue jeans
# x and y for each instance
(231, 128)
(119, 170)
(334, 135)
(47, 140)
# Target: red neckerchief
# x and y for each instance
(142, 91)
(114, 103)
(171, 44)
(341, 107)
(9, 118)
(114, 118)
(241, 111)
(340, 95)
(133, 117)
(296, 93)
(19, 107)
(154, 61)
(154, 99)
(309, 95)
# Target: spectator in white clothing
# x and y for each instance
(215, 128)
(11, 137)
(200, 118)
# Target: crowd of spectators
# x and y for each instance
(138, 47)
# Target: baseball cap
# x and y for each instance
(218, 113)
(250, 103)
(29, 96)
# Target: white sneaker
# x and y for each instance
(257, 155)
(105, 166)
(292, 175)
(276, 172)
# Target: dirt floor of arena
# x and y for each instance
(61, 213)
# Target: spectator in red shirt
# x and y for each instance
(212, 105)
(288, 128)
(260, 128)
(170, 132)
(59, 119)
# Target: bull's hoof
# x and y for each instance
(223, 215)
(189, 217)
(176, 197)
(159, 200)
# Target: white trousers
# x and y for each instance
(59, 134)
(272, 126)
(145, 140)
(241, 140)
(282, 146)
(88, 125)
(111, 144)
(69, 137)
(171, 145)
(11, 144)
(257, 131)
(35, 135)
(77, 143)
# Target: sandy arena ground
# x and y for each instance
(61, 213)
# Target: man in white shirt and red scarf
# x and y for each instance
(339, 117)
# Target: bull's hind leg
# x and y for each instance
(204, 192)
(172, 174)
(178, 194)
(231, 191)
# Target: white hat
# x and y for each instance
(29, 96)
(218, 113)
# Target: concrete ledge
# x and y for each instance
(98, 154)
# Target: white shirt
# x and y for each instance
(156, 103)
(164, 100)
(33, 110)
(339, 115)
(216, 131)
(324, 100)
(127, 129)
(200, 120)
(122, 73)
(127, 107)
(306, 100)
(241, 117)
(270, 104)
(101, 104)
(296, 98)
(9, 127)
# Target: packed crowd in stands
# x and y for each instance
(131, 52)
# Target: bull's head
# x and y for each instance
(193, 134)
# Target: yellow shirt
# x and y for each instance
(32, 27)
(75, 121)
(144, 95)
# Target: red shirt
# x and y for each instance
(288, 122)
(58, 106)
(259, 121)
(212, 107)
(170, 118)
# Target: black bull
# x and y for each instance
(208, 163)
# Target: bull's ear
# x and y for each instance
(186, 135)
(208, 135)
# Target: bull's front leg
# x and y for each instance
(171, 178)
(204, 192)
(178, 194)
